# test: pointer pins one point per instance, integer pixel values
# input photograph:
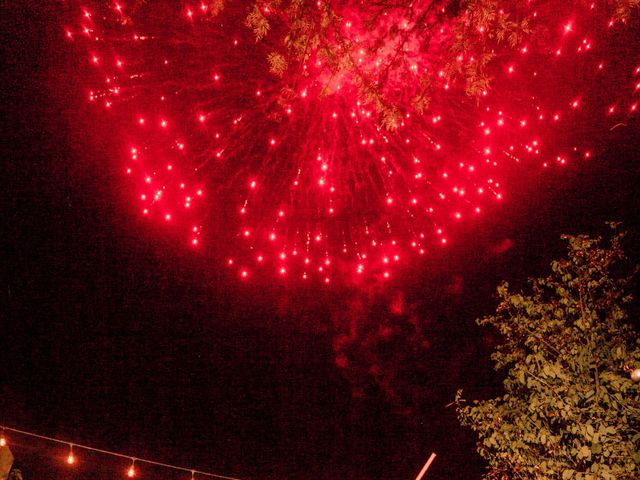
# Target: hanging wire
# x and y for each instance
(131, 468)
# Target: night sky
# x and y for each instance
(115, 335)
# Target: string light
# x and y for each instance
(130, 472)
(71, 459)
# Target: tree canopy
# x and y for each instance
(378, 45)
(570, 409)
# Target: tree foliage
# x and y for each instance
(315, 30)
(570, 409)
(399, 32)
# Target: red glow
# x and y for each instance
(311, 177)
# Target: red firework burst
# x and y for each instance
(301, 173)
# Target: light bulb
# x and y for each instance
(71, 459)
(3, 441)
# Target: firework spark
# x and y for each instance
(297, 172)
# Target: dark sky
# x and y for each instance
(117, 336)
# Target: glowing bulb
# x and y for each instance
(71, 459)
(3, 441)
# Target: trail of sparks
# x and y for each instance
(305, 183)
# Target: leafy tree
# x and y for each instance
(304, 32)
(570, 409)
